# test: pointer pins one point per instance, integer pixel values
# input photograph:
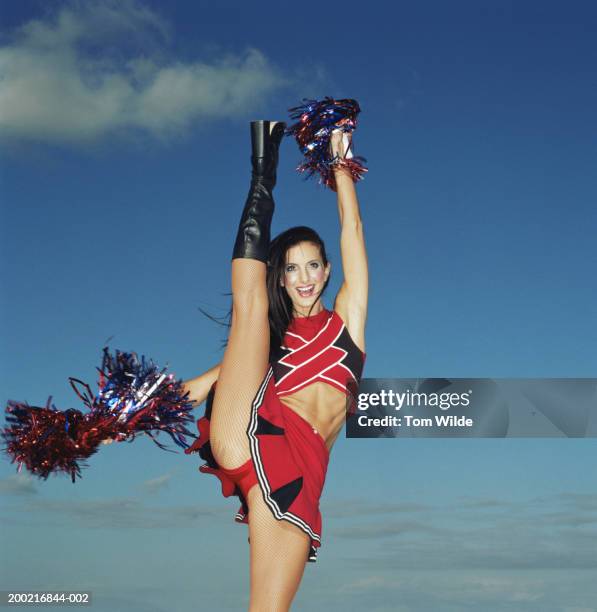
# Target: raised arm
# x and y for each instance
(199, 386)
(351, 301)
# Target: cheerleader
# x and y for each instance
(279, 398)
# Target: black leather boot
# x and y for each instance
(252, 239)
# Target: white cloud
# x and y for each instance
(100, 67)
(110, 513)
(503, 535)
(18, 484)
(371, 582)
(153, 485)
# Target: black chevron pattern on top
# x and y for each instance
(280, 369)
(354, 358)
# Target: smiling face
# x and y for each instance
(305, 276)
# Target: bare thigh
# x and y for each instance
(244, 365)
(278, 553)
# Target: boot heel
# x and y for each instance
(265, 147)
(259, 137)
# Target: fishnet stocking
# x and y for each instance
(278, 549)
(278, 557)
(244, 365)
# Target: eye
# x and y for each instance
(289, 268)
(315, 264)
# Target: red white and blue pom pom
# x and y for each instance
(317, 119)
(134, 397)
(144, 398)
(47, 440)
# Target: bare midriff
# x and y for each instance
(321, 405)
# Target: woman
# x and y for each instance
(289, 365)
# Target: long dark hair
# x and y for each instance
(280, 304)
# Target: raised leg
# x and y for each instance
(246, 357)
(244, 365)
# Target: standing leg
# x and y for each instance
(246, 357)
(279, 552)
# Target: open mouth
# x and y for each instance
(306, 291)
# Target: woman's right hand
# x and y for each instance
(199, 386)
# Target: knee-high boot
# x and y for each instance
(252, 239)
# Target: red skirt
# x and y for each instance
(289, 461)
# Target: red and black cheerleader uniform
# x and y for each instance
(289, 458)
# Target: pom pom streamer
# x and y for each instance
(134, 397)
(317, 119)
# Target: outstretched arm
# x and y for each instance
(351, 301)
(199, 386)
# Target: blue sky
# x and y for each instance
(125, 145)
